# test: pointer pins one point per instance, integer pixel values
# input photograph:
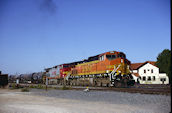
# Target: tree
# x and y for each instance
(164, 62)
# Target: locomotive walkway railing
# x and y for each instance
(114, 71)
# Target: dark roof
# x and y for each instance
(135, 66)
(92, 58)
(47, 69)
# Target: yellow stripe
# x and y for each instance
(66, 72)
(92, 62)
(91, 73)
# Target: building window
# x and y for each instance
(144, 71)
(153, 78)
(163, 79)
(151, 70)
(140, 78)
(144, 78)
(149, 78)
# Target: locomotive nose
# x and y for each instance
(126, 61)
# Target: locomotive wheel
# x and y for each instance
(107, 85)
(125, 82)
(101, 84)
(118, 84)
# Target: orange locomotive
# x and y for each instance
(107, 69)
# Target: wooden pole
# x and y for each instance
(46, 83)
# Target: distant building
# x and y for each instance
(148, 73)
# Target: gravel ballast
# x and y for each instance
(161, 103)
(77, 101)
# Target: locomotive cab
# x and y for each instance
(115, 56)
(117, 67)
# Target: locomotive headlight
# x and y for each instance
(107, 71)
(121, 60)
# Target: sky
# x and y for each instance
(38, 34)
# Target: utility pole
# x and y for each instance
(46, 83)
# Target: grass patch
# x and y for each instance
(40, 86)
(14, 86)
(26, 89)
(32, 86)
(65, 88)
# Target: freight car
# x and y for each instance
(3, 79)
(106, 69)
(35, 78)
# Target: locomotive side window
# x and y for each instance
(65, 66)
(101, 58)
(110, 57)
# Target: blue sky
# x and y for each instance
(36, 34)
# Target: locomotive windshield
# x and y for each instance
(110, 57)
(121, 55)
(65, 66)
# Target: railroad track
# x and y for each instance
(162, 91)
(143, 89)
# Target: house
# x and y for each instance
(148, 73)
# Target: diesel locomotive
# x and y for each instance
(106, 69)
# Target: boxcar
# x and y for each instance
(3, 80)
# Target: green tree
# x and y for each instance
(164, 62)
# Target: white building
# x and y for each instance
(148, 73)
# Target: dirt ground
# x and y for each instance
(15, 101)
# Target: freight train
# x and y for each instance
(106, 69)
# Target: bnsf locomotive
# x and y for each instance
(106, 69)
